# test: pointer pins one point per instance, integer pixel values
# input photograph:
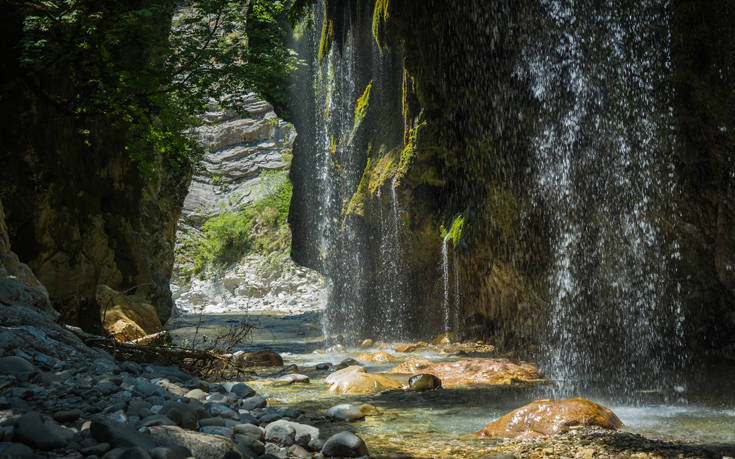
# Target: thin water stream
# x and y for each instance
(439, 423)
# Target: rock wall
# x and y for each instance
(77, 208)
(585, 230)
(239, 147)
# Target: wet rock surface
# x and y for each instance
(551, 417)
(489, 371)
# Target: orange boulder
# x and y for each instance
(486, 371)
(411, 366)
(551, 417)
(378, 357)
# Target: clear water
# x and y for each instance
(440, 423)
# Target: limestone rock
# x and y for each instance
(354, 380)
(479, 372)
(200, 445)
(126, 317)
(551, 417)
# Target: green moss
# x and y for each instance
(380, 22)
(356, 206)
(455, 231)
(361, 106)
(325, 43)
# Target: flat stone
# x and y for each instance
(127, 453)
(222, 410)
(217, 430)
(67, 416)
(345, 444)
(200, 444)
(345, 412)
(242, 390)
(170, 452)
(183, 415)
(16, 450)
(20, 368)
(33, 431)
(196, 394)
(119, 435)
(156, 420)
(249, 430)
(253, 403)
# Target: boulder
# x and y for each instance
(252, 403)
(366, 343)
(37, 433)
(424, 381)
(551, 417)
(20, 368)
(280, 432)
(126, 317)
(486, 371)
(182, 414)
(119, 435)
(262, 359)
(405, 348)
(354, 380)
(200, 445)
(411, 366)
(241, 390)
(345, 444)
(348, 412)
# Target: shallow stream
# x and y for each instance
(440, 423)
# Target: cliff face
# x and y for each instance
(77, 208)
(536, 192)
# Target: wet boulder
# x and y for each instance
(482, 371)
(345, 444)
(262, 359)
(411, 366)
(355, 380)
(42, 434)
(551, 417)
(424, 381)
(349, 412)
(378, 357)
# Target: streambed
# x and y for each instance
(440, 423)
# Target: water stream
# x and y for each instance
(436, 424)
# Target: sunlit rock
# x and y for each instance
(474, 371)
(354, 380)
(126, 317)
(411, 366)
(405, 348)
(551, 417)
(366, 343)
(378, 357)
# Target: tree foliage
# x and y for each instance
(149, 68)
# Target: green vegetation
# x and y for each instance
(258, 228)
(146, 69)
(455, 231)
(361, 106)
(380, 22)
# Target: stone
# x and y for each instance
(39, 434)
(156, 420)
(411, 366)
(217, 430)
(345, 444)
(127, 453)
(183, 415)
(348, 412)
(249, 430)
(119, 435)
(20, 368)
(67, 416)
(249, 444)
(405, 348)
(170, 387)
(242, 390)
(147, 388)
(280, 432)
(126, 317)
(170, 452)
(378, 357)
(200, 445)
(298, 451)
(106, 387)
(16, 450)
(253, 403)
(366, 343)
(293, 378)
(551, 417)
(273, 450)
(262, 359)
(424, 381)
(196, 394)
(322, 366)
(346, 363)
(354, 380)
(98, 449)
(487, 371)
(222, 410)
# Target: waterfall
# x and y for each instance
(445, 280)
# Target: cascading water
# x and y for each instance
(445, 281)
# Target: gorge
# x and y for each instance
(407, 201)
